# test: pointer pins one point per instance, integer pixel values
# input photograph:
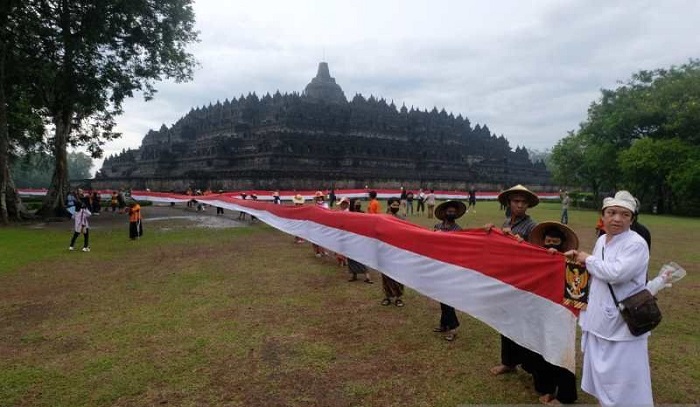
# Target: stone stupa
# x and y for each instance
(323, 87)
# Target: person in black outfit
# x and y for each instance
(472, 200)
(448, 212)
(554, 383)
(331, 198)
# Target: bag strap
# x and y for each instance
(613, 295)
(617, 303)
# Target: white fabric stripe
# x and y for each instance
(533, 322)
(209, 198)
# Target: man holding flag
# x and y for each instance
(519, 225)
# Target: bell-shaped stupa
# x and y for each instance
(323, 87)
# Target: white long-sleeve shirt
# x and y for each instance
(81, 219)
(622, 262)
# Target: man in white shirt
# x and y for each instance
(615, 362)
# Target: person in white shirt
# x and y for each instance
(615, 362)
(420, 208)
(81, 226)
(430, 203)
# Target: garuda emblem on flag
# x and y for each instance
(576, 290)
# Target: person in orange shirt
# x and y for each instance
(599, 227)
(135, 226)
(374, 206)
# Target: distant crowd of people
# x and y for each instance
(81, 205)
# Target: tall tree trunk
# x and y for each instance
(5, 181)
(54, 204)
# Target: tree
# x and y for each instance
(79, 166)
(86, 57)
(649, 165)
(21, 124)
(663, 103)
(643, 136)
(33, 169)
(539, 155)
(578, 160)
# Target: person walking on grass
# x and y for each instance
(430, 203)
(70, 203)
(135, 219)
(420, 207)
(472, 200)
(114, 201)
(565, 208)
(81, 226)
(404, 201)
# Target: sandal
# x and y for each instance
(368, 281)
(386, 301)
(354, 278)
(398, 302)
(440, 329)
(451, 337)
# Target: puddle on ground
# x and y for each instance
(212, 222)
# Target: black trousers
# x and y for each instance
(86, 239)
(420, 207)
(219, 210)
(448, 317)
(550, 379)
(512, 354)
(135, 229)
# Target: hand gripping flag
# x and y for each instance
(516, 288)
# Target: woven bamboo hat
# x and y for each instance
(570, 238)
(442, 208)
(532, 199)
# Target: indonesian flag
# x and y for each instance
(516, 288)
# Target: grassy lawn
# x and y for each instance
(191, 316)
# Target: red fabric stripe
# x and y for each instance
(521, 265)
(265, 193)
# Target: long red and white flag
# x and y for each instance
(516, 288)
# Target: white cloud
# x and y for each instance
(528, 70)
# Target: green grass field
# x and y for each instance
(192, 317)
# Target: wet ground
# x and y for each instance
(155, 215)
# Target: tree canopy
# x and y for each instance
(642, 136)
(84, 58)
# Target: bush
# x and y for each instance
(584, 200)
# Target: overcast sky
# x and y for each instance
(527, 69)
